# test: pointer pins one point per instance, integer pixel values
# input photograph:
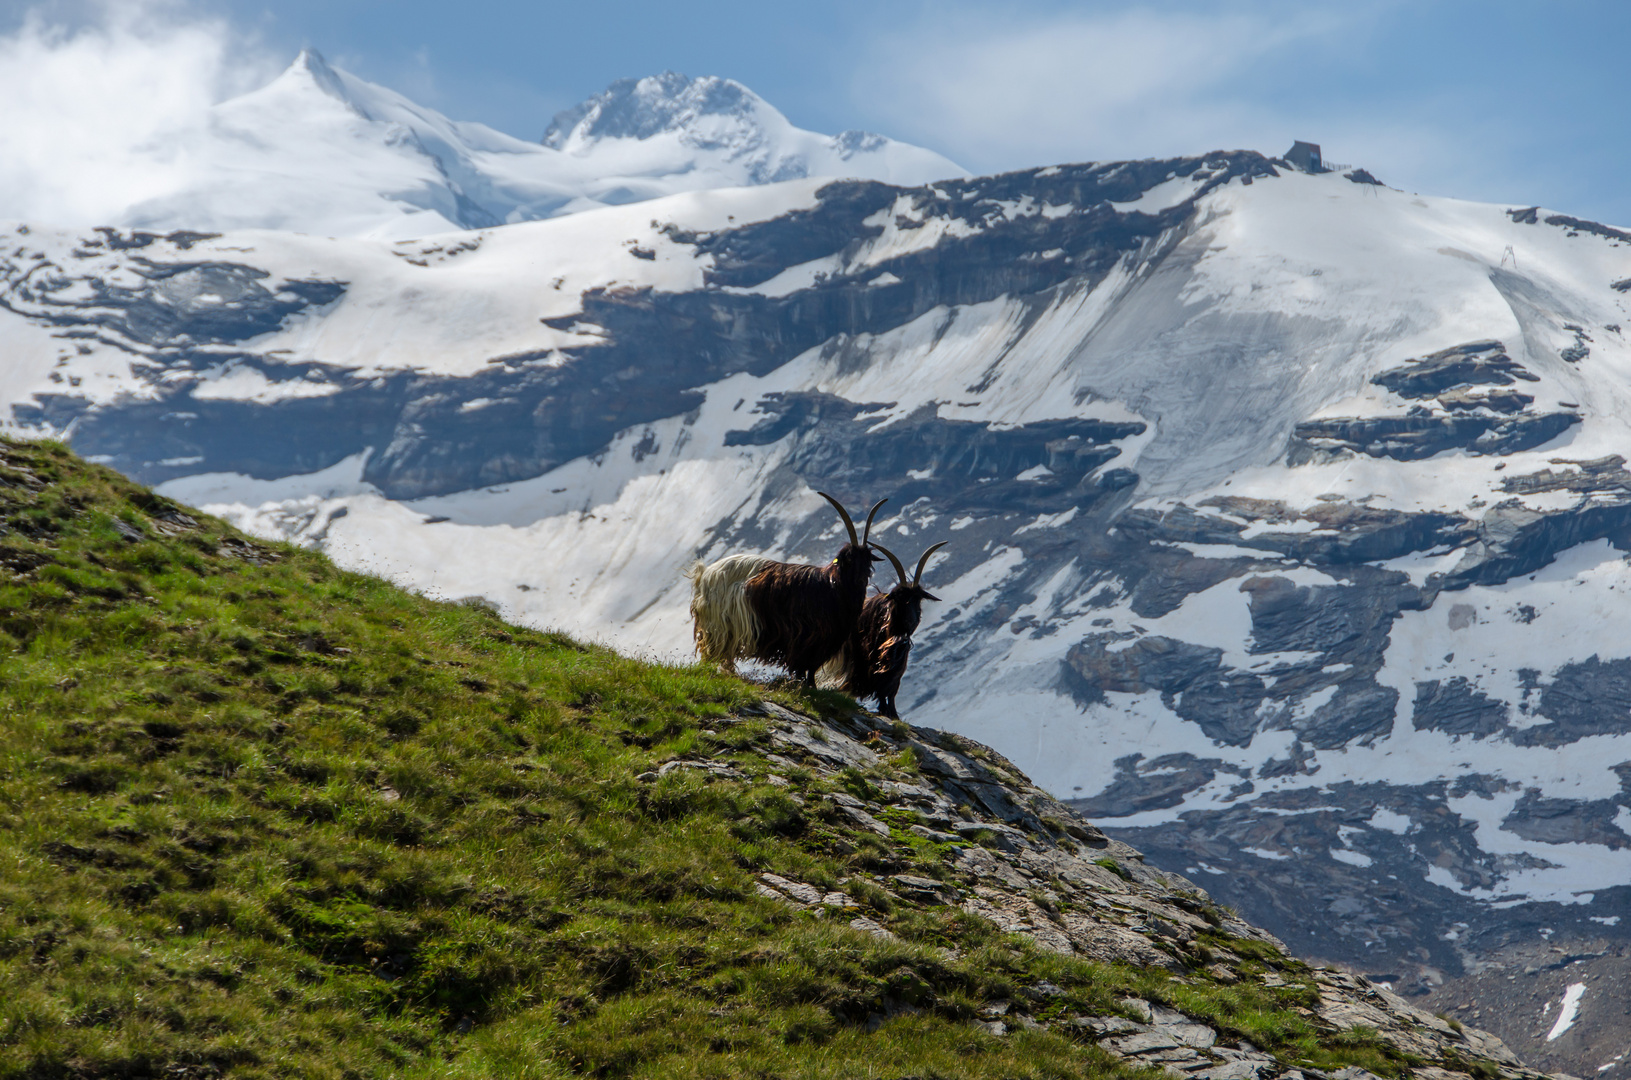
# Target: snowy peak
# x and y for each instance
(720, 126)
(310, 69)
(643, 108)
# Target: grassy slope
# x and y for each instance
(264, 818)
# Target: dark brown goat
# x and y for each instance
(875, 658)
(805, 614)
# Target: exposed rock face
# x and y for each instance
(1411, 438)
(1465, 415)
(1301, 561)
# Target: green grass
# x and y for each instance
(260, 817)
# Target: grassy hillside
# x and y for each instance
(259, 817)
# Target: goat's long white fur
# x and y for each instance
(831, 675)
(722, 620)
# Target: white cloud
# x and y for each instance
(1077, 86)
(94, 108)
(1127, 79)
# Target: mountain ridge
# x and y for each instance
(1285, 509)
(321, 151)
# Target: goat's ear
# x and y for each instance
(927, 595)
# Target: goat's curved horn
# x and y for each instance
(848, 524)
(899, 569)
(921, 563)
(866, 532)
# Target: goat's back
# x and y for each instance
(804, 615)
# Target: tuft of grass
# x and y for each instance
(1114, 867)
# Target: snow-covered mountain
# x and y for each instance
(1288, 512)
(718, 133)
(321, 151)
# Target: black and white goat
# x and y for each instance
(791, 615)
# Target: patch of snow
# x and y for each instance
(1390, 821)
(1047, 521)
(224, 493)
(239, 382)
(1265, 853)
(1567, 1012)
(1163, 196)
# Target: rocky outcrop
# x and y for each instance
(1469, 411)
(1017, 857)
(1477, 363)
(1411, 438)
(959, 464)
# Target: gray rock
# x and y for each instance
(1411, 438)
(1196, 1035)
(1142, 1042)
(1475, 363)
(834, 751)
(1591, 697)
(1043, 991)
(865, 821)
(870, 926)
(797, 891)
(1110, 944)
(1456, 707)
(1138, 1007)
(923, 890)
(1236, 1070)
(712, 768)
(1567, 821)
(1106, 1025)
(935, 835)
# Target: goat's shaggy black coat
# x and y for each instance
(805, 614)
(875, 657)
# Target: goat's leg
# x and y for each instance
(886, 707)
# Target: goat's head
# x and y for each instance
(906, 599)
(854, 560)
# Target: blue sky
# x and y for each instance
(1520, 102)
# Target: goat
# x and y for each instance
(874, 659)
(791, 615)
